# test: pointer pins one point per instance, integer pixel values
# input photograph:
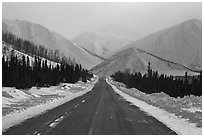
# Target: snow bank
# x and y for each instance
(180, 126)
(43, 91)
(7, 101)
(16, 118)
(15, 93)
(19, 116)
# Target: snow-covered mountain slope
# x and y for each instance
(51, 40)
(122, 61)
(170, 51)
(99, 43)
(181, 43)
(135, 60)
(7, 50)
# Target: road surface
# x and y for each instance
(100, 112)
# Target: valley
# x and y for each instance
(102, 68)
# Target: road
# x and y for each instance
(99, 112)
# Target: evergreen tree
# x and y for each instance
(25, 73)
(161, 83)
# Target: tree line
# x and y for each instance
(31, 49)
(152, 82)
(21, 74)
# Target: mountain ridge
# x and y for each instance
(40, 35)
(99, 43)
(171, 51)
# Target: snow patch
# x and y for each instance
(83, 101)
(15, 93)
(7, 101)
(192, 109)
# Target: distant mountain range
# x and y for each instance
(104, 40)
(111, 48)
(99, 43)
(51, 40)
(171, 51)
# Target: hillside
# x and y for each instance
(122, 61)
(135, 60)
(42, 36)
(104, 40)
(181, 43)
(98, 43)
(170, 51)
(8, 49)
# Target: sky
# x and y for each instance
(71, 19)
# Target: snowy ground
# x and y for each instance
(183, 115)
(7, 50)
(19, 105)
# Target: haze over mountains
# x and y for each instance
(99, 43)
(171, 51)
(41, 35)
(106, 39)
(121, 31)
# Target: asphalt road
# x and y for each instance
(100, 112)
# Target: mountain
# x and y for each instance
(122, 61)
(171, 51)
(99, 43)
(51, 40)
(135, 60)
(104, 40)
(8, 49)
(181, 44)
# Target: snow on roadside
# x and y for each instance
(20, 116)
(180, 126)
(15, 93)
(43, 91)
(192, 109)
(7, 101)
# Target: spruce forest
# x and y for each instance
(23, 73)
(152, 82)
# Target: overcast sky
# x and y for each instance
(70, 19)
